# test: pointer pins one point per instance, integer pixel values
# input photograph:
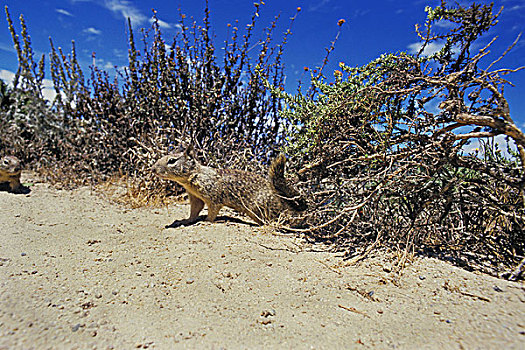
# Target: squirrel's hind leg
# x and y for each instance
(213, 211)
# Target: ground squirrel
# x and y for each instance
(262, 199)
(10, 170)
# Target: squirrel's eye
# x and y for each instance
(172, 161)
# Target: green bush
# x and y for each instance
(380, 151)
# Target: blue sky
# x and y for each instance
(371, 28)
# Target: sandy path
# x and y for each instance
(79, 272)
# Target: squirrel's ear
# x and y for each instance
(189, 151)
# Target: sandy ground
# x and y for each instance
(77, 272)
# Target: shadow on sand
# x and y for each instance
(202, 218)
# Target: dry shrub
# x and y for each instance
(379, 152)
(101, 126)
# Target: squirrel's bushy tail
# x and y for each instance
(289, 194)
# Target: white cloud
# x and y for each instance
(48, 90)
(7, 76)
(429, 50)
(108, 65)
(119, 53)
(7, 47)
(92, 30)
(500, 141)
(162, 24)
(126, 10)
(318, 5)
(102, 63)
(518, 7)
(64, 12)
(445, 24)
(471, 147)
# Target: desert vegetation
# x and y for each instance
(378, 149)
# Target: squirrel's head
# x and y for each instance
(177, 166)
(11, 165)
